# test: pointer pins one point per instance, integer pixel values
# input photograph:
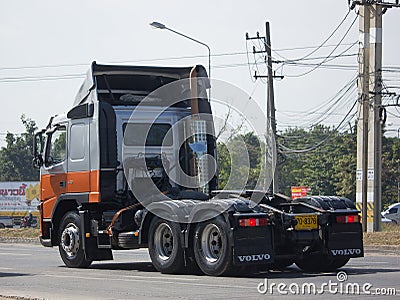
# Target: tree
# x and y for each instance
(390, 170)
(321, 158)
(16, 156)
(310, 158)
(245, 157)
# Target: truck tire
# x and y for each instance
(70, 247)
(321, 263)
(165, 247)
(213, 247)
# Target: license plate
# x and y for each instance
(306, 222)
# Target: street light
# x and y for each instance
(162, 26)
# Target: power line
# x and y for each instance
(330, 54)
(234, 53)
(313, 119)
(323, 43)
(82, 75)
(324, 141)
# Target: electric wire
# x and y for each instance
(324, 141)
(326, 109)
(330, 54)
(322, 44)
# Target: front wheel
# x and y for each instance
(71, 249)
(165, 248)
(213, 247)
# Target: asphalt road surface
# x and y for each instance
(33, 271)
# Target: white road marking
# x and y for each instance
(367, 263)
(161, 278)
(16, 254)
(152, 281)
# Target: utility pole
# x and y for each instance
(363, 109)
(270, 105)
(376, 91)
(369, 127)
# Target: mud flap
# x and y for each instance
(345, 240)
(253, 245)
(89, 244)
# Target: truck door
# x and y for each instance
(53, 178)
(78, 176)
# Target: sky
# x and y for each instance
(47, 47)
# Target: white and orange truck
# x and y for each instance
(125, 168)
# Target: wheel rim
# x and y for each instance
(163, 241)
(70, 240)
(211, 243)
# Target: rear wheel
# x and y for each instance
(165, 247)
(212, 247)
(71, 249)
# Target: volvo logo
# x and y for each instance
(339, 252)
(254, 257)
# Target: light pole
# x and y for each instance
(162, 26)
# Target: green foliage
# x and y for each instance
(239, 161)
(16, 156)
(390, 170)
(326, 162)
(327, 165)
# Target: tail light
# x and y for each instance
(253, 222)
(348, 219)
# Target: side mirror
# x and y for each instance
(37, 161)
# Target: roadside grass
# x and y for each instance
(19, 233)
(389, 236)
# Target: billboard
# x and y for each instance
(299, 191)
(17, 198)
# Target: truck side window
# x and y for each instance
(56, 149)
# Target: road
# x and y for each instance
(33, 271)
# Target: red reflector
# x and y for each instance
(348, 219)
(253, 222)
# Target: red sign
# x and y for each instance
(299, 191)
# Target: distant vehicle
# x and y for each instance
(392, 213)
(28, 222)
(6, 222)
(386, 221)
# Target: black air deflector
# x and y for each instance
(81, 111)
(108, 151)
(136, 82)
